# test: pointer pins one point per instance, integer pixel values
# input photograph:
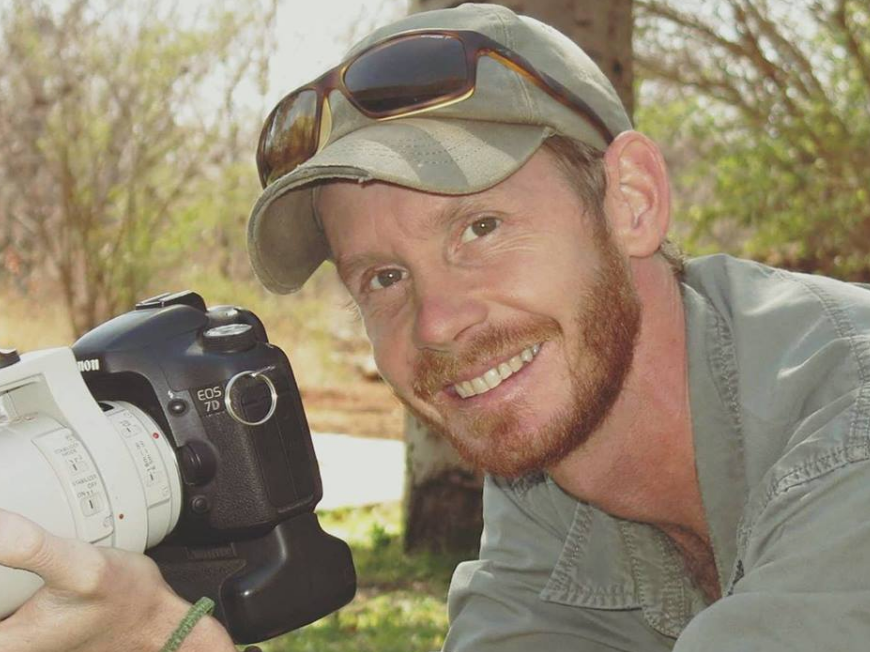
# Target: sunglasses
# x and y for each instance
(402, 76)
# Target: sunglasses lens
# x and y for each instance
(289, 136)
(407, 74)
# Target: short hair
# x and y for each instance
(583, 167)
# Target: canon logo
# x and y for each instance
(89, 365)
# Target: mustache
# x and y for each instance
(433, 370)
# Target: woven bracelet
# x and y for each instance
(203, 607)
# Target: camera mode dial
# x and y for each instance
(229, 338)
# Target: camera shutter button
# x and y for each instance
(221, 315)
(8, 357)
(229, 338)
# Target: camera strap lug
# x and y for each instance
(260, 374)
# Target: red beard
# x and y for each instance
(608, 321)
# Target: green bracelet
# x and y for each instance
(203, 607)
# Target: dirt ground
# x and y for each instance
(364, 409)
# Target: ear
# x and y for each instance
(638, 199)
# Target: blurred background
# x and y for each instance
(127, 137)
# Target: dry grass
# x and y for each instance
(316, 331)
(320, 336)
(30, 322)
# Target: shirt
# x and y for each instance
(778, 366)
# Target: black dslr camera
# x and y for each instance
(246, 533)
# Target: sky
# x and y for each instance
(314, 34)
(311, 36)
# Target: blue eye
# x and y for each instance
(479, 228)
(385, 278)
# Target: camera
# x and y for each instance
(177, 430)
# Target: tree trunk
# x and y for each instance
(602, 28)
(442, 495)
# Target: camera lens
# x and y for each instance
(114, 482)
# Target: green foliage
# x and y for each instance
(380, 538)
(398, 621)
(764, 107)
(400, 604)
(113, 121)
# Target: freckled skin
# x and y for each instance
(461, 301)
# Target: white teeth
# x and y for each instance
(494, 377)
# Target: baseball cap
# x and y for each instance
(458, 149)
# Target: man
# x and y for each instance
(677, 457)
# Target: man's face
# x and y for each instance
(505, 320)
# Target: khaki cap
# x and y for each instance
(459, 149)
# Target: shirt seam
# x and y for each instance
(723, 359)
(857, 445)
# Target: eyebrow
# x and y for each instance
(463, 205)
(348, 266)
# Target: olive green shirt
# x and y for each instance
(778, 370)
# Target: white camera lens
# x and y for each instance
(103, 474)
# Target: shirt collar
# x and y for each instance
(716, 426)
(608, 563)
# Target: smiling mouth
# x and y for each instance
(498, 374)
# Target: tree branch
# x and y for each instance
(841, 16)
(701, 29)
(714, 88)
(776, 75)
(789, 52)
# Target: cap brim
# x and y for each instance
(453, 157)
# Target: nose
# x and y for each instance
(444, 312)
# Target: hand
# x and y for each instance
(94, 599)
